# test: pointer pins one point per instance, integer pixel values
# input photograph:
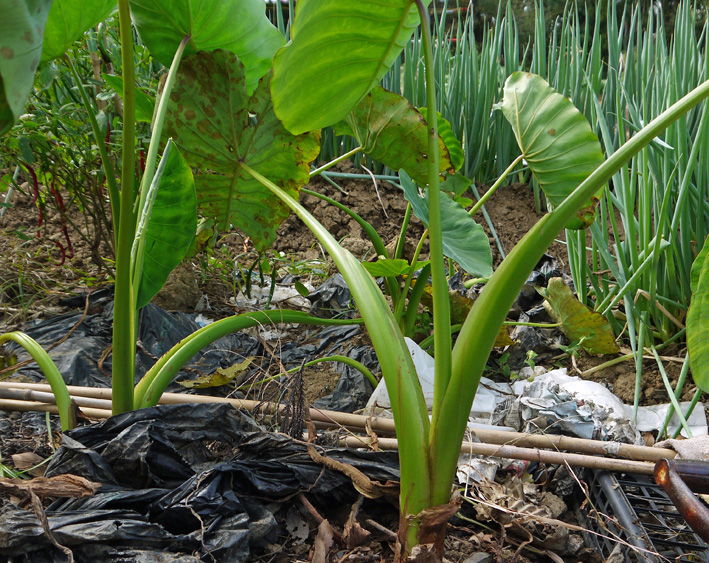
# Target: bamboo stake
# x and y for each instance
(529, 454)
(330, 419)
(26, 406)
(44, 397)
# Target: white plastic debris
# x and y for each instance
(284, 295)
(593, 398)
(490, 394)
(554, 402)
(202, 320)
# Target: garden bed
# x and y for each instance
(31, 273)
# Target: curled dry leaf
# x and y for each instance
(59, 486)
(29, 462)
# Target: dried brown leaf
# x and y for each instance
(323, 543)
(28, 461)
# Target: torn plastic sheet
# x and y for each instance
(598, 408)
(78, 356)
(353, 389)
(331, 297)
(164, 491)
(553, 402)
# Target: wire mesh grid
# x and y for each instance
(632, 512)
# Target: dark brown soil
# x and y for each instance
(382, 207)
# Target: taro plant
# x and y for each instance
(155, 219)
(546, 124)
(241, 127)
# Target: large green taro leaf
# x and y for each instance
(394, 132)
(556, 140)
(463, 239)
(22, 25)
(171, 225)
(339, 51)
(698, 266)
(698, 320)
(68, 20)
(239, 26)
(217, 126)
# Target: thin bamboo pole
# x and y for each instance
(26, 406)
(529, 454)
(48, 398)
(332, 419)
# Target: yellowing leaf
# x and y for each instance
(460, 307)
(577, 320)
(222, 376)
(503, 338)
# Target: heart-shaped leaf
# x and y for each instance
(21, 29)
(387, 267)
(578, 322)
(338, 52)
(239, 26)
(217, 126)
(463, 239)
(170, 226)
(697, 324)
(394, 132)
(68, 20)
(555, 138)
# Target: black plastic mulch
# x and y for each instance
(166, 498)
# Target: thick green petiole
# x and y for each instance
(49, 368)
(477, 336)
(124, 324)
(156, 380)
(441, 306)
(408, 405)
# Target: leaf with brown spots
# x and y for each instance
(217, 126)
(578, 322)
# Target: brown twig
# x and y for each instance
(318, 517)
